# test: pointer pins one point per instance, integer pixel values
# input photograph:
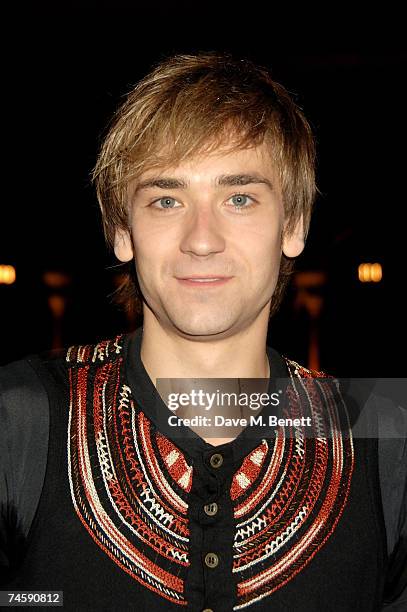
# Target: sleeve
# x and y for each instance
(393, 481)
(24, 425)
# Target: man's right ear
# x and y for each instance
(123, 247)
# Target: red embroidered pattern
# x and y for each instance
(298, 493)
(132, 503)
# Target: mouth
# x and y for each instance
(204, 281)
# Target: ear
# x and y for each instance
(123, 248)
(294, 243)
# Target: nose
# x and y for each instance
(202, 233)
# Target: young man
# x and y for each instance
(206, 184)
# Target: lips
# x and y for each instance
(203, 277)
(204, 281)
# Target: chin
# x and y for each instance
(202, 328)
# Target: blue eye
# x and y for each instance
(239, 200)
(167, 200)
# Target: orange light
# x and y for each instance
(370, 272)
(56, 279)
(376, 272)
(7, 275)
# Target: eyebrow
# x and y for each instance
(169, 182)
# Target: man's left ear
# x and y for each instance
(294, 243)
(122, 244)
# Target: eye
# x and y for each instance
(167, 203)
(240, 201)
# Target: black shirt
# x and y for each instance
(24, 425)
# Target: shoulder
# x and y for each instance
(22, 380)
(99, 352)
(389, 399)
(26, 384)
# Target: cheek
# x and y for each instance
(153, 254)
(263, 248)
(151, 234)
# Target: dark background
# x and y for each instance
(66, 68)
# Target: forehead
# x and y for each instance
(205, 166)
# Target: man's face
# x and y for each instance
(226, 221)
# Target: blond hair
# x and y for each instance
(197, 104)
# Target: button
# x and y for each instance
(211, 509)
(216, 460)
(211, 560)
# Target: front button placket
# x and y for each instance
(217, 528)
(211, 584)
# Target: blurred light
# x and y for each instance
(56, 279)
(57, 305)
(309, 278)
(309, 285)
(310, 296)
(7, 275)
(370, 272)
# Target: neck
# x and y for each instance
(239, 354)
